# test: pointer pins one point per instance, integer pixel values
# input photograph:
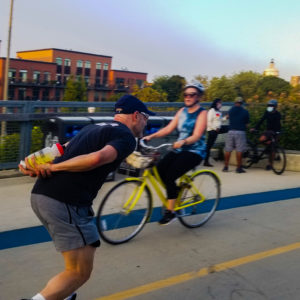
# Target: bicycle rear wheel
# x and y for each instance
(208, 184)
(249, 156)
(278, 160)
(116, 220)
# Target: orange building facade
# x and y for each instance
(43, 74)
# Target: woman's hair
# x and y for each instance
(215, 102)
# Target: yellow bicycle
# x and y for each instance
(128, 206)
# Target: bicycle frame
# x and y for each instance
(156, 181)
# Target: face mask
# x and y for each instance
(270, 108)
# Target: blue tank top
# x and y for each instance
(186, 125)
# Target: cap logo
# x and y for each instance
(119, 110)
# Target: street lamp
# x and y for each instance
(8, 52)
(5, 91)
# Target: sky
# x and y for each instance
(163, 37)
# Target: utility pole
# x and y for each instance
(5, 92)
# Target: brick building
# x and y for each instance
(42, 74)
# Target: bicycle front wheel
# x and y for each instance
(278, 160)
(203, 195)
(124, 211)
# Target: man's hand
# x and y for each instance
(178, 144)
(42, 170)
(147, 138)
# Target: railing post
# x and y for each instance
(25, 132)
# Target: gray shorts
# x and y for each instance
(235, 139)
(69, 226)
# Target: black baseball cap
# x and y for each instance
(128, 104)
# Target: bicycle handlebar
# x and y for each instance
(144, 145)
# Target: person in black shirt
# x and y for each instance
(63, 194)
(273, 125)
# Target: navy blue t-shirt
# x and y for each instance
(238, 118)
(80, 188)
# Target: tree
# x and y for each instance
(148, 94)
(172, 86)
(223, 88)
(115, 97)
(203, 79)
(273, 86)
(246, 83)
(76, 90)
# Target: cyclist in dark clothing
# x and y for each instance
(273, 118)
(273, 127)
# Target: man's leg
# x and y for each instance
(239, 156)
(78, 268)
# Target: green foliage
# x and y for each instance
(290, 138)
(149, 94)
(221, 87)
(203, 79)
(36, 139)
(246, 83)
(9, 148)
(76, 90)
(172, 86)
(272, 86)
(115, 97)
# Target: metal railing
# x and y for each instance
(24, 123)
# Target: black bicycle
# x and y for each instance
(257, 151)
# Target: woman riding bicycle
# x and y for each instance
(189, 149)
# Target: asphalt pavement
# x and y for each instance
(249, 250)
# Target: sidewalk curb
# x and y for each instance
(10, 174)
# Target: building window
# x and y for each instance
(87, 80)
(97, 81)
(58, 61)
(120, 83)
(96, 96)
(87, 64)
(67, 67)
(105, 67)
(35, 93)
(47, 77)
(22, 93)
(23, 75)
(79, 67)
(11, 93)
(140, 83)
(98, 66)
(12, 75)
(57, 95)
(67, 62)
(45, 94)
(36, 76)
(105, 77)
(59, 64)
(58, 79)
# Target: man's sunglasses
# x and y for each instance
(190, 95)
(146, 116)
